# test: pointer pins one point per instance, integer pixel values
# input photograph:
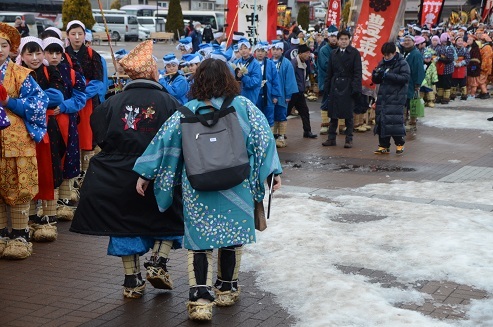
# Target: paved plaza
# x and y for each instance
(72, 282)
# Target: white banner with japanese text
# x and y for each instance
(256, 18)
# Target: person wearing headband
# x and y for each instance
(248, 71)
(92, 67)
(288, 87)
(185, 46)
(24, 104)
(293, 50)
(192, 62)
(270, 91)
(74, 100)
(49, 152)
(280, 37)
(228, 222)
(173, 80)
(109, 206)
(219, 37)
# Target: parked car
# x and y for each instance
(43, 23)
(144, 33)
(150, 23)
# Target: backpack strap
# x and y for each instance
(227, 101)
(186, 112)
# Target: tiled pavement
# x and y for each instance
(72, 282)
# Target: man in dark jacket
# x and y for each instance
(298, 99)
(196, 36)
(393, 74)
(342, 88)
(123, 126)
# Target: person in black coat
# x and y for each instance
(342, 88)
(393, 75)
(123, 127)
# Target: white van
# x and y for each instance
(126, 26)
(150, 23)
(28, 18)
(213, 18)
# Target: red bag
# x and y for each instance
(440, 67)
(459, 72)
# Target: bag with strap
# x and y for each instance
(214, 148)
(417, 106)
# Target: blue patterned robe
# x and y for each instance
(252, 81)
(177, 86)
(212, 219)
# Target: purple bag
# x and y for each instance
(4, 120)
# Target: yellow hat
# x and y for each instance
(10, 34)
(139, 62)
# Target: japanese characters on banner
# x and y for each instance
(256, 18)
(334, 13)
(430, 11)
(378, 22)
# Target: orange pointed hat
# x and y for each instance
(139, 62)
(10, 34)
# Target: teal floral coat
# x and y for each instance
(212, 219)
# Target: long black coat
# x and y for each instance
(393, 77)
(342, 84)
(123, 126)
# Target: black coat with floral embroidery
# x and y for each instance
(123, 127)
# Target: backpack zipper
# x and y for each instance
(198, 134)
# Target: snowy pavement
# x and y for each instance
(433, 239)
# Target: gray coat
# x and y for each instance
(343, 83)
(393, 77)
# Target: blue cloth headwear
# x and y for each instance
(170, 59)
(192, 58)
(186, 42)
(245, 42)
(222, 55)
(278, 44)
(120, 54)
(262, 45)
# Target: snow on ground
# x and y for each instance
(467, 118)
(295, 257)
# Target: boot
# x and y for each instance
(463, 93)
(133, 286)
(430, 96)
(275, 129)
(157, 273)
(324, 130)
(453, 93)
(226, 286)
(446, 96)
(18, 247)
(439, 96)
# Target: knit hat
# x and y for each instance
(332, 30)
(427, 54)
(444, 38)
(436, 37)
(303, 48)
(419, 39)
(139, 63)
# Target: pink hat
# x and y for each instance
(436, 37)
(419, 39)
(444, 38)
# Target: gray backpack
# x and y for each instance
(214, 148)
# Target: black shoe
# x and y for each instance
(4, 232)
(309, 135)
(348, 144)
(463, 97)
(490, 119)
(484, 96)
(329, 143)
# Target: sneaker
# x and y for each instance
(382, 150)
(360, 129)
(157, 274)
(324, 130)
(400, 149)
(200, 310)
(490, 119)
(133, 286)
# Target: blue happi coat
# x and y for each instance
(250, 82)
(212, 219)
(271, 89)
(287, 80)
(176, 85)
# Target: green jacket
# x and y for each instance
(431, 75)
(415, 61)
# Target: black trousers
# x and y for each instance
(298, 100)
(349, 128)
(385, 141)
